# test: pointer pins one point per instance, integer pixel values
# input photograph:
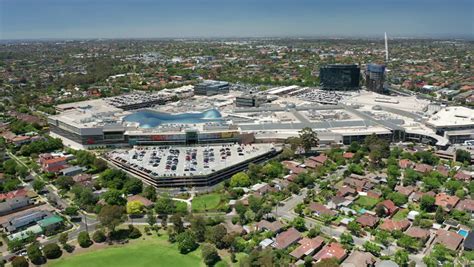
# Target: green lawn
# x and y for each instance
(153, 251)
(367, 203)
(206, 202)
(400, 215)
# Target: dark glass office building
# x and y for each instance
(339, 77)
(375, 78)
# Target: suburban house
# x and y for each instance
(337, 202)
(319, 210)
(392, 225)
(367, 220)
(54, 164)
(71, 171)
(25, 220)
(307, 247)
(12, 194)
(389, 207)
(469, 242)
(405, 163)
(418, 233)
(450, 240)
(13, 204)
(265, 225)
(333, 250)
(50, 223)
(359, 259)
(287, 238)
(462, 176)
(447, 202)
(423, 168)
(82, 178)
(466, 205)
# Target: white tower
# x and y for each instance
(386, 49)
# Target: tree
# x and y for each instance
(314, 232)
(427, 157)
(408, 242)
(209, 254)
(9, 166)
(111, 216)
(431, 183)
(186, 242)
(427, 203)
(151, 218)
(64, 182)
(150, 193)
(354, 147)
(20, 261)
(99, 236)
(63, 238)
(71, 211)
(401, 257)
(135, 207)
(463, 156)
(380, 211)
(372, 248)
(354, 227)
(198, 226)
(398, 198)
(216, 235)
(165, 205)
(440, 215)
(133, 186)
(114, 197)
(38, 185)
(133, 232)
(294, 142)
(452, 186)
(346, 240)
(34, 254)
(177, 222)
(383, 237)
(299, 224)
(52, 251)
(240, 179)
(309, 138)
(84, 240)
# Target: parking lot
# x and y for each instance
(187, 161)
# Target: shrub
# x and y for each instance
(209, 254)
(84, 239)
(99, 236)
(20, 262)
(68, 248)
(52, 251)
(34, 254)
(134, 233)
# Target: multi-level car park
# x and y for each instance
(171, 166)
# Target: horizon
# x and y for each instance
(212, 19)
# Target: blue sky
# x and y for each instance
(31, 19)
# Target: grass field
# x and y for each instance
(366, 202)
(206, 202)
(153, 251)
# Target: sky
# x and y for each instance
(74, 19)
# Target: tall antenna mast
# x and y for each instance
(386, 48)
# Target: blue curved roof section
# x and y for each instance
(150, 118)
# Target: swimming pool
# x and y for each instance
(464, 233)
(150, 118)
